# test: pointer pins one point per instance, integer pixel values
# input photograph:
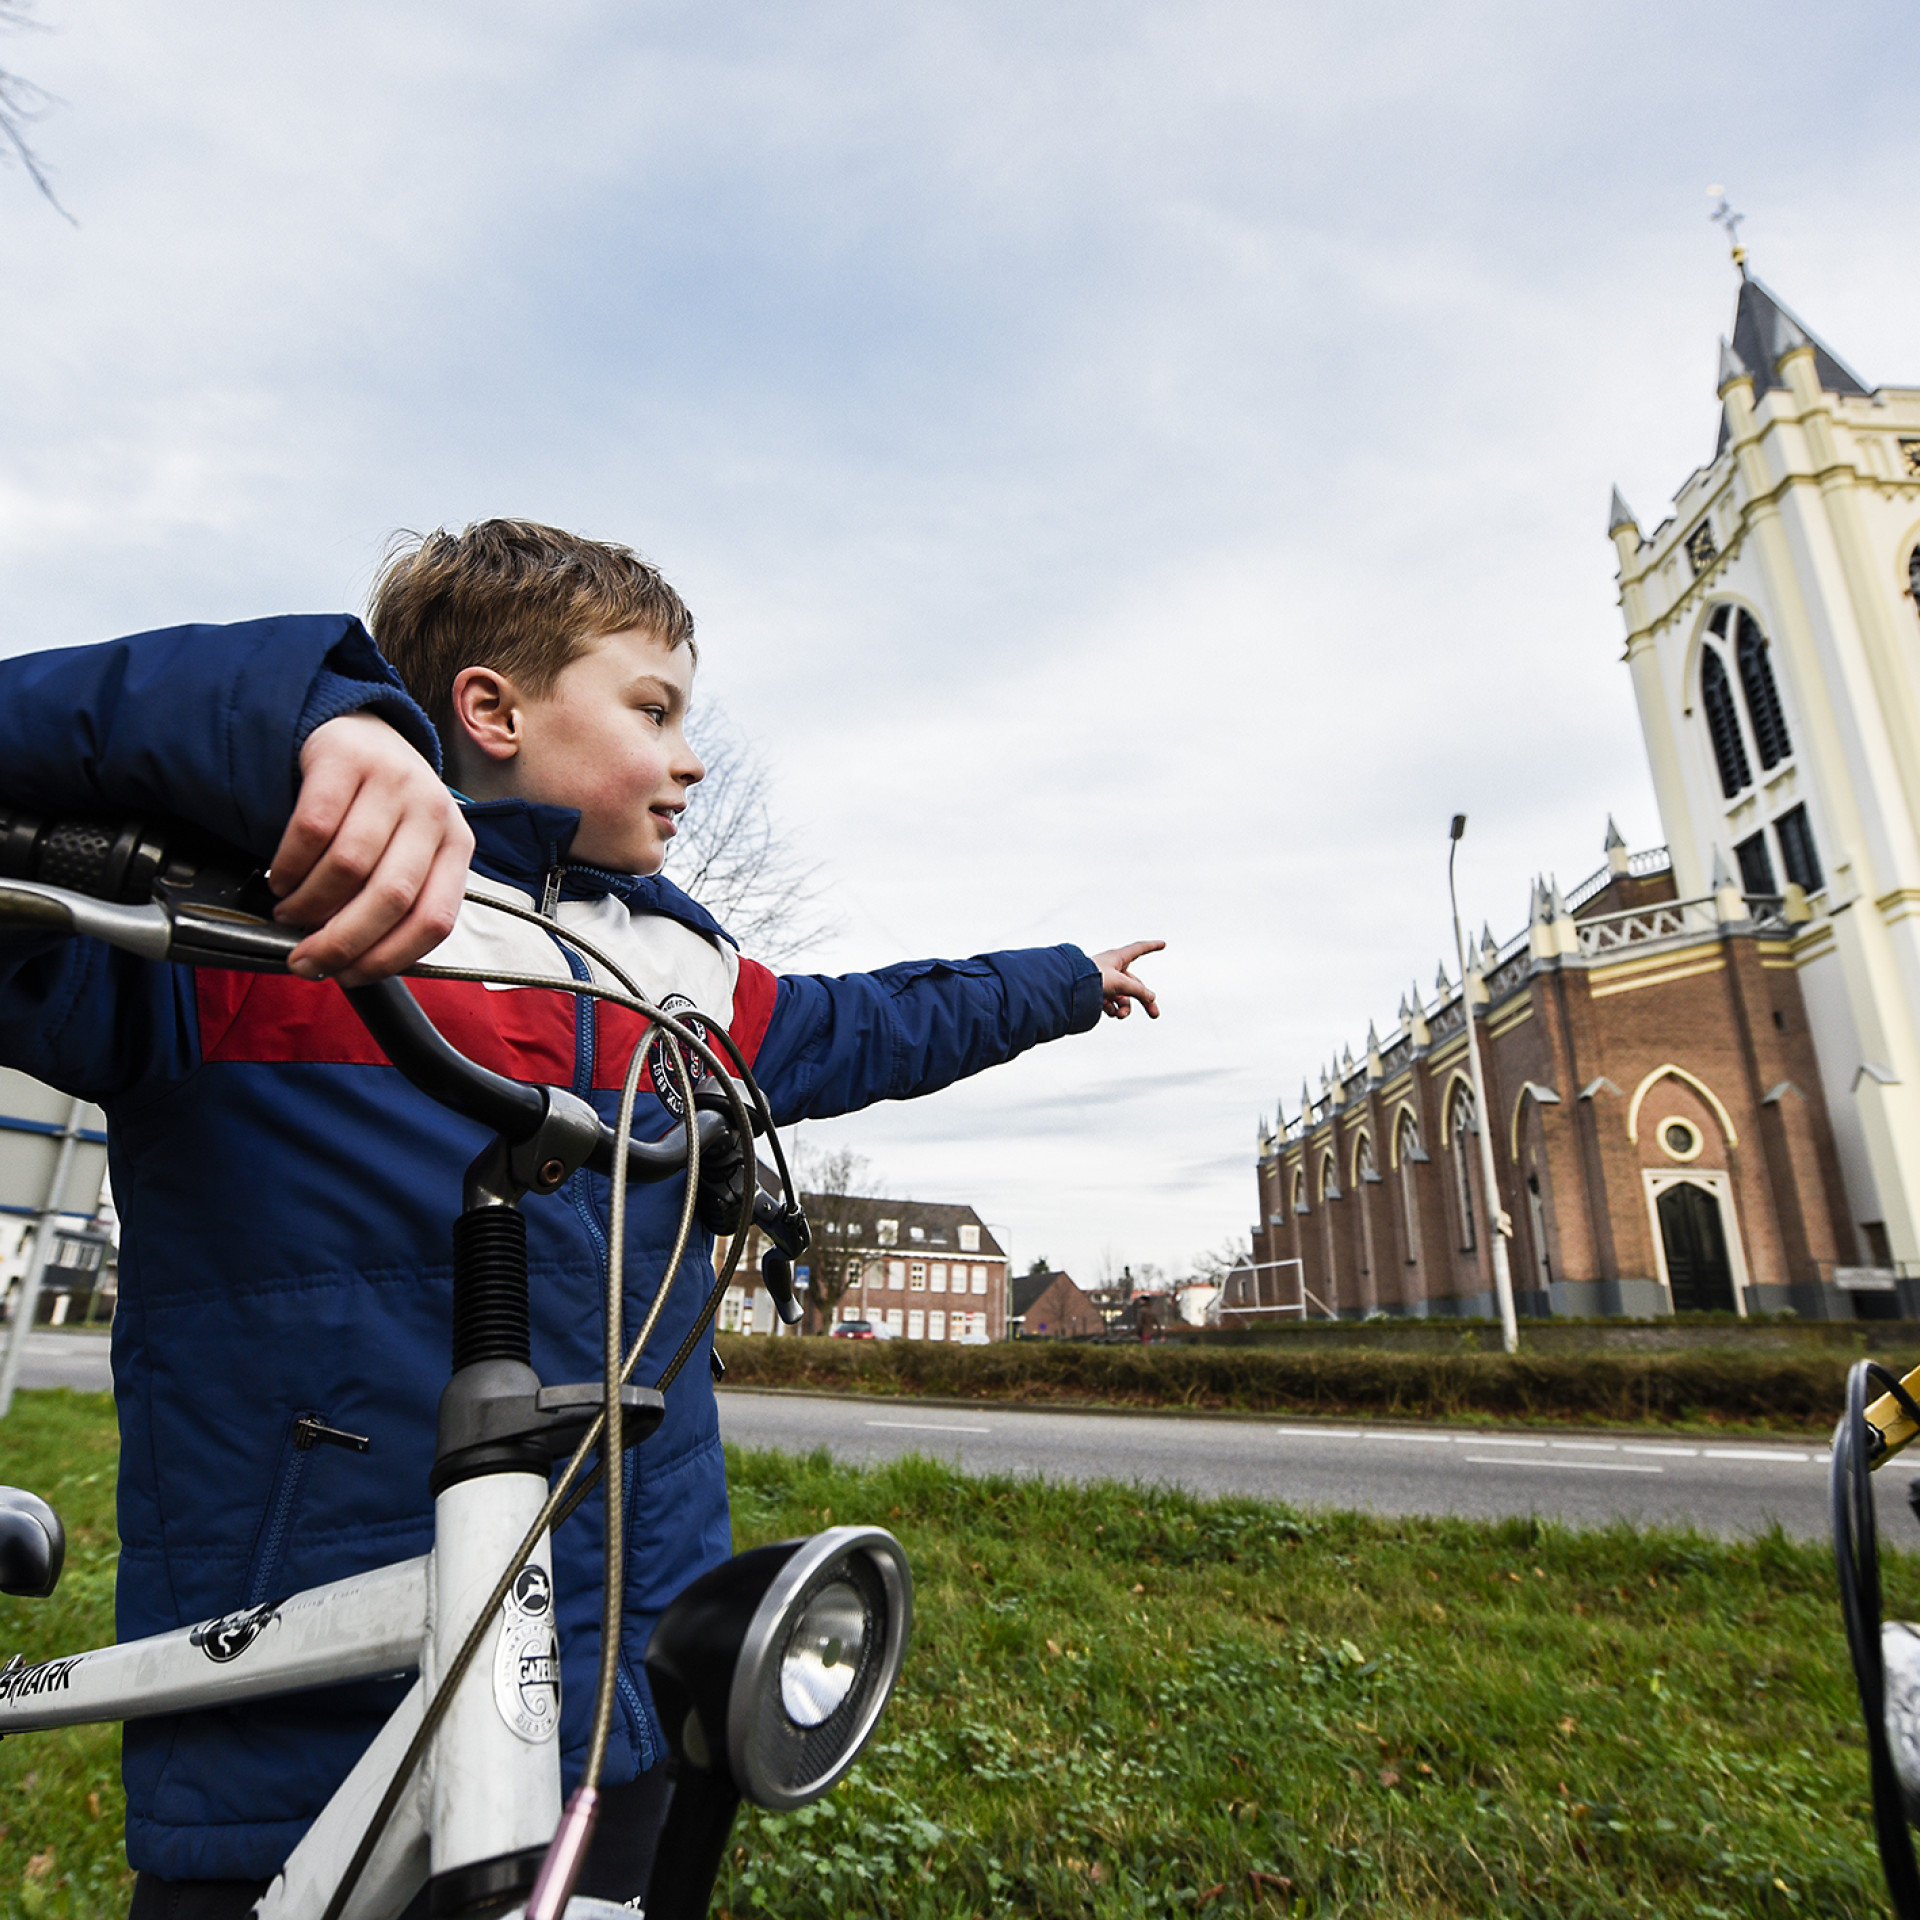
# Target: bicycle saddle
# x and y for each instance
(33, 1544)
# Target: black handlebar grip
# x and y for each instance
(106, 862)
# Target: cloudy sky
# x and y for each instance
(1137, 468)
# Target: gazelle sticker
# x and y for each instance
(233, 1633)
(526, 1662)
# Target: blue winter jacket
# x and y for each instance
(286, 1201)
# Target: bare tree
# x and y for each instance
(22, 103)
(1230, 1256)
(735, 861)
(837, 1186)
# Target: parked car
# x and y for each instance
(973, 1337)
(861, 1330)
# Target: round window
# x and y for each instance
(1681, 1138)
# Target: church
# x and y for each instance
(1702, 1064)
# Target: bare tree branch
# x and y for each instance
(22, 103)
(733, 859)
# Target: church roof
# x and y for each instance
(1763, 329)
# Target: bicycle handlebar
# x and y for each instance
(206, 905)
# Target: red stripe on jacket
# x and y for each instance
(524, 1032)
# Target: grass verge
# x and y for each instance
(1121, 1703)
(61, 1807)
(1729, 1393)
(1125, 1703)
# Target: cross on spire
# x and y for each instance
(1724, 216)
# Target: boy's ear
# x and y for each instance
(486, 710)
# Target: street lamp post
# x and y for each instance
(1500, 1225)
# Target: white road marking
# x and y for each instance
(1489, 1441)
(1571, 1466)
(1319, 1433)
(1583, 1446)
(1685, 1453)
(1752, 1453)
(925, 1426)
(1415, 1439)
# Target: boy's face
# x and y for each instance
(609, 738)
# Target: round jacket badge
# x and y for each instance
(526, 1662)
(660, 1067)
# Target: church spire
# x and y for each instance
(1619, 515)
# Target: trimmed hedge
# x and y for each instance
(1785, 1391)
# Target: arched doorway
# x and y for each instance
(1699, 1268)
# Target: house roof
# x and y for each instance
(1025, 1288)
(938, 1223)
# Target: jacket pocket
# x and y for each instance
(282, 1512)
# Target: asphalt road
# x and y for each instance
(77, 1360)
(1584, 1481)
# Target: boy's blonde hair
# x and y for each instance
(513, 595)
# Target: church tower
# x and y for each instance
(1773, 635)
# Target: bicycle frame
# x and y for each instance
(491, 1782)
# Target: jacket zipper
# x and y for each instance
(281, 1505)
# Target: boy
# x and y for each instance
(286, 1199)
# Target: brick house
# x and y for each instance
(925, 1270)
(1049, 1306)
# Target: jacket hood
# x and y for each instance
(521, 842)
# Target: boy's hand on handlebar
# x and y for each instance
(374, 858)
(1118, 986)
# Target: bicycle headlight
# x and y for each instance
(774, 1668)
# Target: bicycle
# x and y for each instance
(770, 1671)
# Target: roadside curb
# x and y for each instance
(1230, 1416)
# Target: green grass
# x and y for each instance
(61, 1808)
(1125, 1703)
(1120, 1702)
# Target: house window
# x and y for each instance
(893, 1319)
(1769, 723)
(916, 1324)
(969, 1238)
(1723, 724)
(916, 1234)
(939, 1276)
(853, 1229)
(1797, 852)
(896, 1274)
(979, 1279)
(917, 1277)
(1463, 1123)
(936, 1326)
(887, 1232)
(1756, 865)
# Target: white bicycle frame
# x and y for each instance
(490, 1782)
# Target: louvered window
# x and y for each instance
(1797, 851)
(1770, 737)
(1723, 724)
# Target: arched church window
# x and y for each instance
(1723, 724)
(1329, 1179)
(1407, 1152)
(1300, 1191)
(1463, 1123)
(1770, 735)
(1913, 575)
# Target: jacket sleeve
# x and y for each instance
(836, 1044)
(200, 724)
